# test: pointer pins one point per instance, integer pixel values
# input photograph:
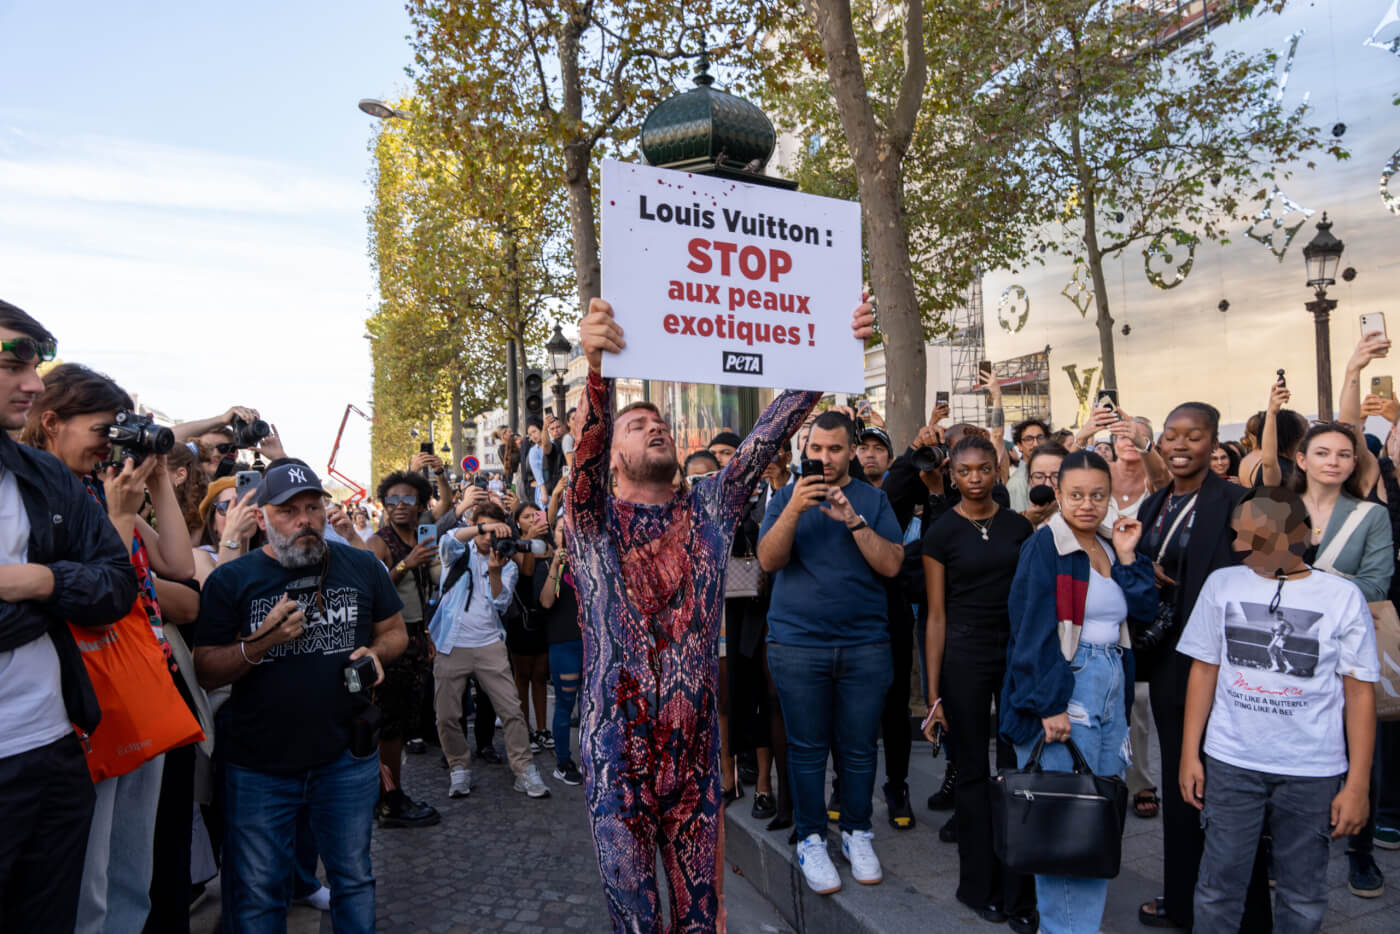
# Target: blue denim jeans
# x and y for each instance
(116, 890)
(1299, 813)
(831, 695)
(1098, 724)
(565, 669)
(339, 799)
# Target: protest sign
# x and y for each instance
(719, 281)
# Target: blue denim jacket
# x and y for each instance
(452, 604)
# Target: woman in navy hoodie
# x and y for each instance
(1070, 658)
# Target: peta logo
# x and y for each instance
(751, 363)
(297, 475)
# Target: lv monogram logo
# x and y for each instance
(1083, 388)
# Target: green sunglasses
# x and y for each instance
(27, 348)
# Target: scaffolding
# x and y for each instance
(1024, 380)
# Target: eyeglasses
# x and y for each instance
(1096, 498)
(392, 501)
(27, 348)
(221, 507)
(1045, 478)
(1033, 439)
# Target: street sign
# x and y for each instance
(470, 464)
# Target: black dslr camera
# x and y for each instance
(508, 547)
(930, 458)
(135, 436)
(248, 434)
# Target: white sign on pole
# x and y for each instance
(718, 281)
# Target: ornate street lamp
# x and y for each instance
(559, 349)
(1322, 256)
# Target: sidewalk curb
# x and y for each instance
(767, 860)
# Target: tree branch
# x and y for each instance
(911, 88)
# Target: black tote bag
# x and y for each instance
(1058, 823)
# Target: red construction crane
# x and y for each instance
(360, 492)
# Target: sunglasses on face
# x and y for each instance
(392, 501)
(226, 447)
(27, 348)
(221, 507)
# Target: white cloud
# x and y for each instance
(195, 279)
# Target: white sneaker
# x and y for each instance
(529, 781)
(461, 783)
(817, 869)
(865, 865)
(319, 899)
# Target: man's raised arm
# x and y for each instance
(588, 481)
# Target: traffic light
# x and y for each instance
(534, 394)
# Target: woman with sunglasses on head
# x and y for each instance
(969, 558)
(1070, 657)
(1186, 535)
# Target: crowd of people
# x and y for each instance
(751, 615)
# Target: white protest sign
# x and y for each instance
(718, 281)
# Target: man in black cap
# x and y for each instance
(875, 451)
(302, 629)
(724, 445)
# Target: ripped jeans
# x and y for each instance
(565, 668)
(1099, 727)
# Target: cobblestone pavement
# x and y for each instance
(498, 862)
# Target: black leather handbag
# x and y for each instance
(1058, 823)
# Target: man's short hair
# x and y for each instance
(704, 454)
(1049, 449)
(534, 421)
(634, 406)
(831, 420)
(489, 510)
(14, 318)
(1020, 428)
(406, 477)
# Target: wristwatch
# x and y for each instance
(862, 525)
(231, 544)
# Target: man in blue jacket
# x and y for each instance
(60, 561)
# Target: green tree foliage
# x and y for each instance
(458, 276)
(567, 79)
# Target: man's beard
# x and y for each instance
(649, 469)
(302, 550)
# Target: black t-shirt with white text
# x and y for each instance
(292, 711)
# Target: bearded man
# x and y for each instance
(284, 625)
(649, 568)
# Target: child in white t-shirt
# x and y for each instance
(1285, 662)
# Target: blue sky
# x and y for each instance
(182, 195)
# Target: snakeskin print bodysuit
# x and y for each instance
(650, 583)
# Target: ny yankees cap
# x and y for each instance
(284, 481)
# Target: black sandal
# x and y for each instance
(1156, 915)
(1146, 804)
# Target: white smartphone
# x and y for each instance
(1373, 323)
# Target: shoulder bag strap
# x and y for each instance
(1327, 560)
(1171, 532)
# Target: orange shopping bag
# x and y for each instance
(143, 714)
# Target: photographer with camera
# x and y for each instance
(86, 421)
(302, 629)
(828, 636)
(72, 568)
(467, 633)
(237, 429)
(407, 546)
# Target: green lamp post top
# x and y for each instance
(710, 131)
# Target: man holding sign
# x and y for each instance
(649, 571)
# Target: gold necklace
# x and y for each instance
(983, 526)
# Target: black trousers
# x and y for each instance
(749, 713)
(974, 666)
(170, 865)
(46, 802)
(1182, 837)
(894, 721)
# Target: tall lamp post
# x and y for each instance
(1323, 255)
(559, 349)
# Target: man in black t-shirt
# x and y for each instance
(282, 625)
